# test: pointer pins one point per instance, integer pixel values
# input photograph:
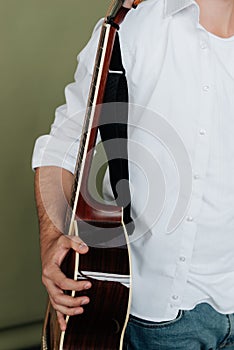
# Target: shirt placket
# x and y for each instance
(200, 164)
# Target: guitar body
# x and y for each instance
(104, 320)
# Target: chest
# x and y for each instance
(188, 78)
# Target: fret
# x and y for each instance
(99, 56)
(101, 52)
(92, 94)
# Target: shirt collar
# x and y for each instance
(174, 6)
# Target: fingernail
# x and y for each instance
(84, 302)
(87, 285)
(79, 311)
(83, 246)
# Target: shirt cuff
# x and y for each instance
(50, 151)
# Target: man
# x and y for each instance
(178, 55)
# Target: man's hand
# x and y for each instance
(128, 3)
(53, 191)
(56, 282)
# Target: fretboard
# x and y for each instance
(90, 111)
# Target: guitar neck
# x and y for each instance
(94, 99)
(114, 18)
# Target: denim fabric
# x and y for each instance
(202, 328)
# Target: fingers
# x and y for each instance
(58, 296)
(61, 321)
(56, 281)
(65, 243)
(55, 277)
(77, 244)
(66, 304)
(62, 303)
(128, 3)
(55, 252)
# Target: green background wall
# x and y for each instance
(39, 44)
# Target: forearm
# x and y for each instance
(52, 192)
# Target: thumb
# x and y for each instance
(78, 245)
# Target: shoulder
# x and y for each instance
(146, 22)
(142, 30)
(148, 14)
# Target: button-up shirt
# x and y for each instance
(181, 151)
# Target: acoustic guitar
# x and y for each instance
(101, 226)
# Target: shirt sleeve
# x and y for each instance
(60, 147)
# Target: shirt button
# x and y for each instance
(182, 258)
(189, 218)
(175, 297)
(203, 45)
(196, 176)
(206, 88)
(202, 132)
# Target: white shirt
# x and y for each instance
(181, 151)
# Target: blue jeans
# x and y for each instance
(202, 328)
